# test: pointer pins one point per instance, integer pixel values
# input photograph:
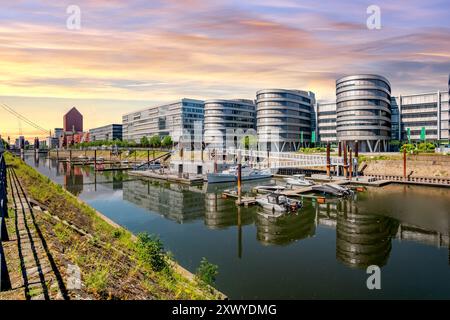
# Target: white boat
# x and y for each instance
(277, 203)
(344, 190)
(298, 180)
(230, 175)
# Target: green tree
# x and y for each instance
(155, 141)
(144, 141)
(150, 250)
(167, 141)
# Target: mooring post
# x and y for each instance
(57, 155)
(95, 159)
(350, 164)
(70, 155)
(356, 149)
(404, 164)
(344, 146)
(239, 177)
(328, 160)
(148, 156)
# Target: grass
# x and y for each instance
(112, 258)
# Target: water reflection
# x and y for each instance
(286, 229)
(363, 239)
(173, 201)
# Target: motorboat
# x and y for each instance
(230, 175)
(278, 204)
(298, 180)
(269, 188)
(332, 189)
(345, 191)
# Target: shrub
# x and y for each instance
(150, 250)
(207, 272)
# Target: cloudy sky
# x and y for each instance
(132, 54)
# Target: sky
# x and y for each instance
(128, 55)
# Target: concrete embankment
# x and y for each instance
(64, 249)
(430, 166)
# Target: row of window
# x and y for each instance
(374, 92)
(363, 103)
(283, 95)
(367, 82)
(372, 132)
(378, 113)
(283, 104)
(283, 112)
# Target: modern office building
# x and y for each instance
(423, 116)
(363, 108)
(73, 121)
(326, 122)
(106, 133)
(172, 119)
(284, 118)
(225, 115)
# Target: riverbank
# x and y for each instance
(107, 155)
(110, 259)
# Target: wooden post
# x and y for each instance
(340, 148)
(239, 177)
(404, 164)
(356, 149)
(70, 155)
(57, 155)
(350, 164)
(135, 155)
(148, 156)
(328, 160)
(95, 159)
(153, 154)
(344, 146)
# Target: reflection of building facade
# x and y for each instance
(173, 201)
(73, 179)
(286, 229)
(222, 213)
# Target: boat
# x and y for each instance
(230, 175)
(298, 180)
(325, 189)
(278, 204)
(332, 189)
(271, 188)
(345, 191)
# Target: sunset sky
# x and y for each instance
(132, 54)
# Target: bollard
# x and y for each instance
(344, 146)
(350, 164)
(239, 177)
(328, 160)
(404, 164)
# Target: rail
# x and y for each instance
(420, 180)
(5, 283)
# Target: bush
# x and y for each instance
(422, 147)
(155, 141)
(207, 272)
(167, 141)
(150, 250)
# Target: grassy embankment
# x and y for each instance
(114, 264)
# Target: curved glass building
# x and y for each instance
(284, 118)
(363, 107)
(222, 115)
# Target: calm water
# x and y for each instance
(321, 253)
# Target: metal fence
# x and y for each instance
(4, 277)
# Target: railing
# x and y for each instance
(420, 180)
(5, 283)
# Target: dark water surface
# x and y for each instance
(322, 252)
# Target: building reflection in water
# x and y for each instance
(222, 213)
(175, 202)
(288, 228)
(73, 178)
(363, 239)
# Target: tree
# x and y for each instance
(144, 141)
(167, 141)
(155, 141)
